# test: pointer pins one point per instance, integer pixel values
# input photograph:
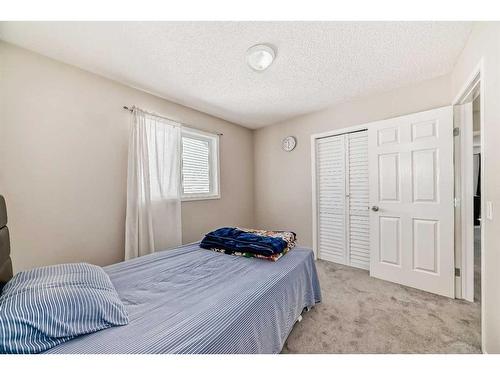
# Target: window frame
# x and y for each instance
(213, 165)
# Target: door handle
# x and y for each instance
(375, 208)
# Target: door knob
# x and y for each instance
(375, 208)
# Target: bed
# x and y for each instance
(192, 300)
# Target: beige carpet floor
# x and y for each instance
(360, 314)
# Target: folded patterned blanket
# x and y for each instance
(270, 245)
(272, 258)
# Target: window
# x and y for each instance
(200, 165)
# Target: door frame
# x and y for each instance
(315, 212)
(475, 82)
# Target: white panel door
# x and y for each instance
(331, 181)
(411, 198)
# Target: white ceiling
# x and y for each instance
(202, 64)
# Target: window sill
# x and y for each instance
(200, 198)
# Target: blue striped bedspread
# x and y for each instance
(191, 300)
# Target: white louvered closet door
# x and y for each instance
(342, 191)
(331, 177)
(357, 189)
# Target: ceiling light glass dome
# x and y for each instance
(260, 57)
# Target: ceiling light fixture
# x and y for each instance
(260, 57)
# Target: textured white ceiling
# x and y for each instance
(202, 64)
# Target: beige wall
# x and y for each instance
(484, 43)
(283, 180)
(63, 162)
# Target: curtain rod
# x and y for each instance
(131, 109)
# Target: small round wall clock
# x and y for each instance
(288, 143)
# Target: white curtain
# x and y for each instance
(153, 220)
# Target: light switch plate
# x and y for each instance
(489, 210)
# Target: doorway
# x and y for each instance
(476, 175)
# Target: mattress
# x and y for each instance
(191, 300)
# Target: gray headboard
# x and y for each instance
(5, 262)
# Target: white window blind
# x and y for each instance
(199, 166)
(195, 166)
